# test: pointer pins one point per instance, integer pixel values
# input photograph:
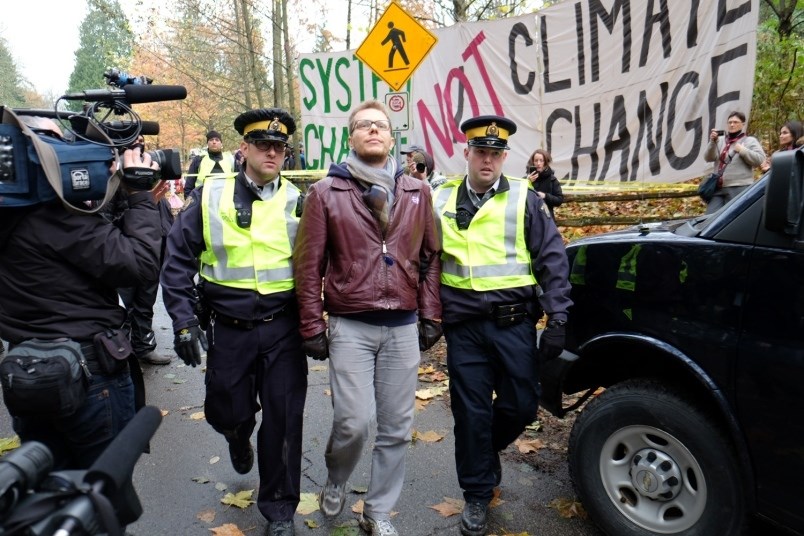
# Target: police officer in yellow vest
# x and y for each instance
(215, 161)
(503, 263)
(240, 231)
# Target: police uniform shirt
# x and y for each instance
(266, 191)
(477, 199)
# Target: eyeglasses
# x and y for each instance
(734, 122)
(366, 124)
(265, 145)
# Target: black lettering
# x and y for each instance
(549, 86)
(694, 126)
(519, 30)
(580, 44)
(727, 16)
(597, 11)
(692, 26)
(662, 18)
(715, 100)
(618, 139)
(591, 150)
(555, 115)
(646, 126)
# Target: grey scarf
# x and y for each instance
(383, 178)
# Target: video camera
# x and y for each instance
(39, 165)
(100, 500)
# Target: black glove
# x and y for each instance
(551, 342)
(429, 333)
(317, 346)
(186, 342)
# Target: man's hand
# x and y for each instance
(186, 342)
(139, 171)
(317, 346)
(429, 333)
(552, 340)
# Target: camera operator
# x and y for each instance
(58, 278)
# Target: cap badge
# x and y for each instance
(492, 130)
(275, 124)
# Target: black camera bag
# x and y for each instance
(43, 378)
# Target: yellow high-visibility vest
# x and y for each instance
(207, 163)
(491, 254)
(257, 258)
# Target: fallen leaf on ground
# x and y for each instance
(328, 392)
(318, 368)
(198, 416)
(529, 445)
(311, 524)
(169, 376)
(220, 486)
(229, 529)
(449, 507)
(429, 436)
(346, 530)
(357, 507)
(308, 503)
(495, 498)
(568, 508)
(201, 479)
(360, 489)
(424, 394)
(207, 516)
(214, 459)
(164, 412)
(421, 404)
(241, 499)
(9, 443)
(429, 369)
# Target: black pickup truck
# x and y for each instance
(696, 331)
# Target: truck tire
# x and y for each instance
(644, 460)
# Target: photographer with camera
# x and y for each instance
(420, 165)
(237, 235)
(58, 296)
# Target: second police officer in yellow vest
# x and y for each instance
(503, 263)
(240, 231)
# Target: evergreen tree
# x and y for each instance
(106, 41)
(12, 91)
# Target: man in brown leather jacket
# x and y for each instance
(368, 230)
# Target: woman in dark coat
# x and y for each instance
(544, 180)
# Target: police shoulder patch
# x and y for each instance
(544, 210)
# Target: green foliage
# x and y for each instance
(11, 82)
(106, 41)
(778, 83)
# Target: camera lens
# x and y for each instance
(420, 168)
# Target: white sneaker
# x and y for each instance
(378, 527)
(332, 498)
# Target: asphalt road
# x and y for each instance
(181, 483)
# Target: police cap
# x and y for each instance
(488, 131)
(272, 124)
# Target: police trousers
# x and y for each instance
(484, 359)
(263, 367)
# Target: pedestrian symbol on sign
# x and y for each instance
(396, 37)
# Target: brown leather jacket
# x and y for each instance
(340, 241)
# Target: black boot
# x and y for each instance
(473, 519)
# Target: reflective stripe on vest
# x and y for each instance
(626, 274)
(258, 258)
(207, 163)
(491, 254)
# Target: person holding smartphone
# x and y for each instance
(543, 179)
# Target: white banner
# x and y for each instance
(616, 90)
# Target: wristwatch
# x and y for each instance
(556, 323)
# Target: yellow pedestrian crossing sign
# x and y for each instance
(396, 46)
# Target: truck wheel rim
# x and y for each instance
(653, 479)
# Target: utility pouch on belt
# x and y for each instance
(112, 349)
(509, 314)
(43, 378)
